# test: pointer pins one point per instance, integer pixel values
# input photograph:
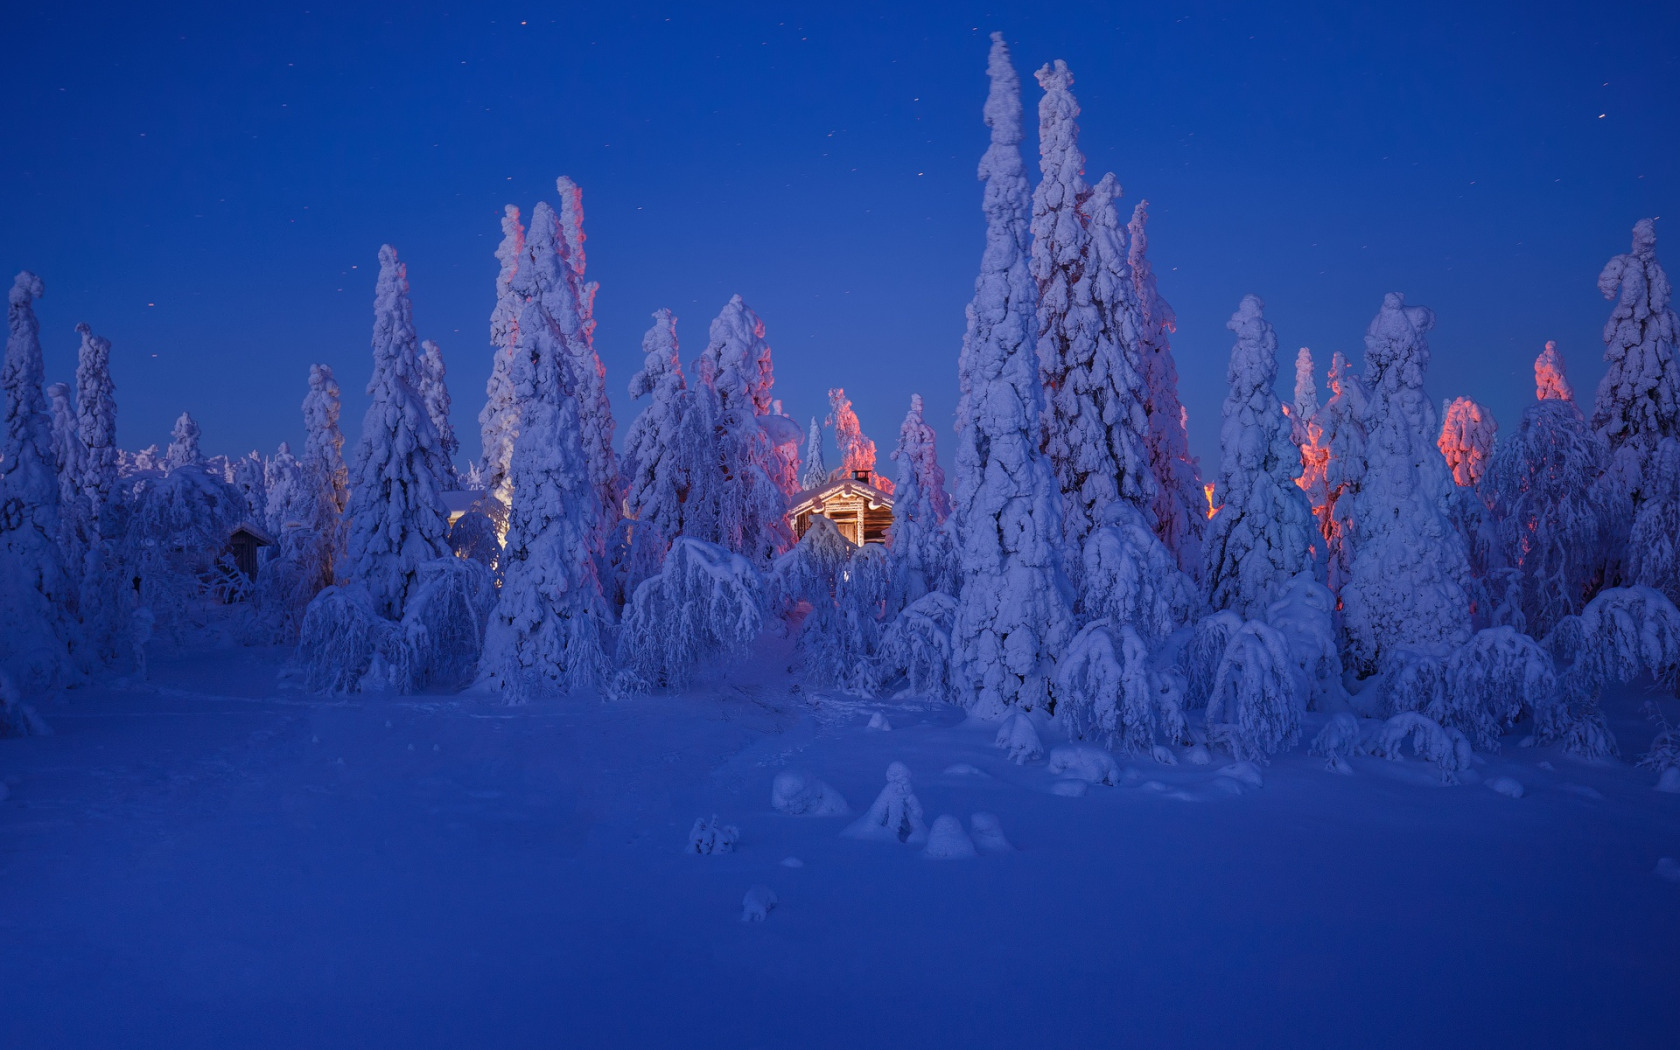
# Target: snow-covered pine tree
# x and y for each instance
(250, 478)
(1180, 504)
(815, 473)
(103, 605)
(1013, 614)
(1343, 421)
(288, 500)
(183, 444)
(748, 512)
(1553, 519)
(1551, 380)
(857, 451)
(323, 470)
(546, 632)
(68, 457)
(1467, 443)
(498, 421)
(397, 519)
(1305, 405)
(434, 392)
(32, 582)
(1654, 545)
(1407, 586)
(657, 459)
(919, 541)
(1315, 449)
(1467, 437)
(1262, 536)
(571, 303)
(1638, 400)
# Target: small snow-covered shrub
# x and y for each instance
(1448, 748)
(443, 623)
(1665, 746)
(1110, 694)
(916, 647)
(1256, 704)
(1336, 741)
(712, 836)
(896, 815)
(810, 571)
(705, 603)
(799, 795)
(1203, 654)
(757, 905)
(988, 834)
(1482, 687)
(1303, 613)
(341, 639)
(1019, 739)
(1626, 632)
(1132, 579)
(1084, 763)
(948, 841)
(287, 582)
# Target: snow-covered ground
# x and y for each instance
(217, 860)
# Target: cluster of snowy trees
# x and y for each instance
(1366, 555)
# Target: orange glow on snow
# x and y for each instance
(1207, 490)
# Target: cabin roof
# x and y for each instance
(811, 499)
(262, 537)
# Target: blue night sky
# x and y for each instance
(209, 188)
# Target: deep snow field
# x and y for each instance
(216, 859)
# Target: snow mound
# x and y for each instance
(709, 836)
(1336, 741)
(792, 862)
(1199, 755)
(1506, 786)
(1085, 763)
(757, 905)
(988, 833)
(1019, 739)
(1163, 754)
(799, 795)
(948, 840)
(879, 721)
(1245, 773)
(1070, 788)
(896, 815)
(963, 769)
(1670, 780)
(1583, 791)
(1449, 749)
(1669, 868)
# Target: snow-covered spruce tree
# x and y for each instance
(1013, 613)
(1553, 519)
(1467, 444)
(1305, 405)
(1255, 707)
(1407, 586)
(546, 633)
(919, 541)
(498, 421)
(1467, 438)
(657, 456)
(1308, 428)
(1132, 580)
(288, 494)
(1638, 400)
(1112, 694)
(1551, 381)
(706, 603)
(68, 457)
(743, 484)
(396, 515)
(1262, 536)
(571, 303)
(102, 599)
(1180, 504)
(857, 451)
(36, 595)
(434, 392)
(1343, 422)
(1654, 545)
(183, 443)
(814, 473)
(323, 470)
(250, 478)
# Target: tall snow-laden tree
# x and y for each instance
(1343, 439)
(1638, 400)
(1013, 615)
(1551, 380)
(32, 582)
(546, 632)
(857, 451)
(919, 541)
(815, 473)
(68, 457)
(1305, 405)
(498, 421)
(1262, 536)
(1654, 545)
(434, 391)
(1553, 519)
(102, 601)
(1467, 436)
(1180, 504)
(397, 519)
(571, 303)
(658, 456)
(250, 478)
(183, 444)
(1407, 586)
(289, 496)
(748, 512)
(324, 471)
(1315, 447)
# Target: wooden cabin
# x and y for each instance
(243, 545)
(862, 512)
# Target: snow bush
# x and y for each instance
(704, 603)
(809, 576)
(1448, 748)
(1338, 740)
(1255, 707)
(1664, 754)
(1626, 632)
(443, 626)
(988, 833)
(16, 717)
(1018, 739)
(1084, 763)
(896, 815)
(341, 639)
(1131, 579)
(1203, 653)
(1304, 615)
(758, 903)
(948, 841)
(1111, 695)
(178, 524)
(916, 647)
(712, 836)
(1654, 545)
(800, 795)
(1481, 688)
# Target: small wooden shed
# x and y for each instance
(862, 512)
(243, 545)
